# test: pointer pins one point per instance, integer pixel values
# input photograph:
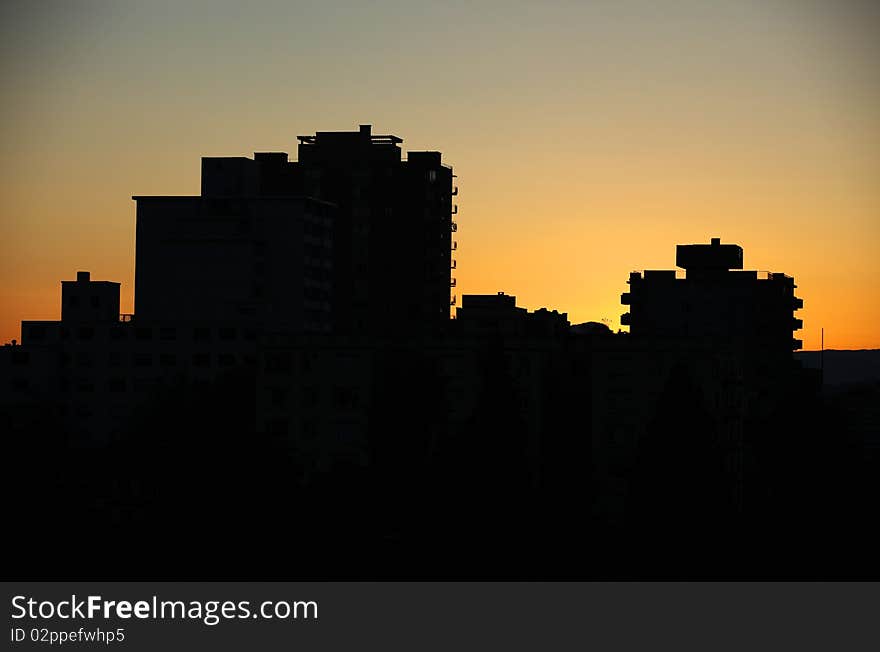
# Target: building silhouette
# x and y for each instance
(393, 232)
(714, 300)
(316, 244)
(234, 259)
(292, 355)
(88, 301)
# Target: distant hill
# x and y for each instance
(844, 366)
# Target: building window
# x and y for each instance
(85, 333)
(168, 333)
(143, 360)
(279, 396)
(201, 359)
(37, 333)
(309, 396)
(278, 426)
(201, 334)
(143, 334)
(226, 359)
(279, 363)
(345, 398)
(227, 334)
(167, 359)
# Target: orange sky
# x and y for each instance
(588, 140)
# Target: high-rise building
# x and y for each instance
(392, 229)
(393, 235)
(716, 301)
(233, 256)
(350, 238)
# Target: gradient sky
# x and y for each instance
(589, 137)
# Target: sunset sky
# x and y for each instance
(589, 137)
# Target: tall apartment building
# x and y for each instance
(715, 301)
(234, 256)
(389, 241)
(394, 228)
(350, 238)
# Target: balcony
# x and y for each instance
(126, 317)
(626, 319)
(453, 300)
(797, 324)
(454, 264)
(625, 298)
(453, 227)
(452, 282)
(455, 209)
(454, 190)
(797, 303)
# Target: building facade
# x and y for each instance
(715, 300)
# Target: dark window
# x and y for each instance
(168, 333)
(279, 362)
(309, 396)
(227, 333)
(167, 359)
(226, 359)
(279, 396)
(85, 333)
(117, 333)
(116, 385)
(344, 397)
(278, 426)
(143, 334)
(201, 334)
(143, 360)
(201, 359)
(37, 333)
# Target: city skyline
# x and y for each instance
(581, 158)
